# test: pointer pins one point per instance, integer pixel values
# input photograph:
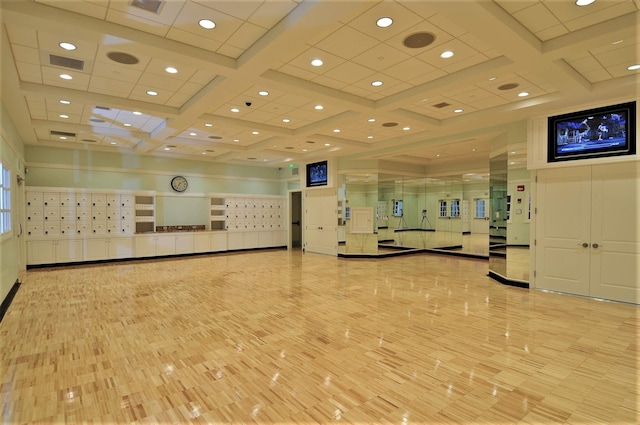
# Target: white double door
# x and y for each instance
(321, 221)
(588, 231)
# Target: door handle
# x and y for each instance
(297, 223)
(595, 245)
(584, 245)
(319, 228)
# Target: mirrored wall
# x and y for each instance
(444, 213)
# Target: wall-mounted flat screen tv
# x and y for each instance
(317, 174)
(593, 133)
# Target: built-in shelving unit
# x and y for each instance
(145, 213)
(217, 213)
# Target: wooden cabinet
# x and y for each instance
(55, 251)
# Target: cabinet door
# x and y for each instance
(145, 246)
(184, 244)
(265, 239)
(166, 245)
(235, 240)
(41, 252)
(96, 249)
(615, 232)
(69, 250)
(201, 242)
(120, 247)
(219, 241)
(250, 240)
(35, 199)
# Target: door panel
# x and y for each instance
(616, 231)
(564, 209)
(320, 221)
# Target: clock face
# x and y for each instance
(179, 184)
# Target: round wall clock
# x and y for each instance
(179, 184)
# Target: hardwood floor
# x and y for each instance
(284, 337)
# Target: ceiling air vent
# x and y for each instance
(62, 133)
(66, 62)
(104, 108)
(295, 171)
(441, 105)
(148, 5)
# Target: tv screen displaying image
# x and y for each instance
(317, 174)
(593, 133)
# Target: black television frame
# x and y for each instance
(555, 126)
(312, 178)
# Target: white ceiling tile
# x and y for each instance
(158, 66)
(192, 13)
(421, 8)
(402, 17)
(585, 65)
(269, 13)
(567, 11)
(381, 57)
(356, 44)
(21, 35)
(139, 22)
(620, 70)
(303, 61)
(114, 70)
(427, 76)
(192, 39)
(160, 83)
(627, 55)
(230, 51)
(110, 86)
(349, 72)
(329, 82)
(201, 77)
(513, 6)
(51, 76)
(246, 36)
(490, 102)
(151, 124)
(140, 93)
(297, 72)
(49, 42)
(464, 63)
(165, 15)
(552, 32)
(410, 69)
(446, 25)
(536, 18)
(475, 43)
(605, 14)
(93, 9)
(26, 54)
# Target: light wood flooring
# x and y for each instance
(285, 337)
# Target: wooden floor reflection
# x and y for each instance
(286, 337)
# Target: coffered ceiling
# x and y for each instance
(145, 77)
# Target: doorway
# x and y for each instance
(295, 233)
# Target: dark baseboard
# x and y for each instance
(8, 299)
(507, 281)
(156, 258)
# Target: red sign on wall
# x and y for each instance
(520, 188)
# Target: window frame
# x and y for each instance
(6, 227)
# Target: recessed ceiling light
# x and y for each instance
(492, 78)
(66, 77)
(265, 159)
(317, 62)
(406, 128)
(235, 110)
(584, 2)
(255, 132)
(617, 42)
(633, 67)
(457, 111)
(384, 22)
(63, 138)
(67, 46)
(523, 94)
(369, 137)
(263, 93)
(336, 130)
(513, 152)
(192, 134)
(376, 83)
(236, 140)
(207, 24)
(127, 125)
(64, 102)
(438, 155)
(152, 93)
(446, 54)
(473, 150)
(137, 113)
(318, 107)
(327, 144)
(304, 150)
(113, 143)
(371, 120)
(207, 124)
(286, 120)
(171, 70)
(204, 153)
(63, 116)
